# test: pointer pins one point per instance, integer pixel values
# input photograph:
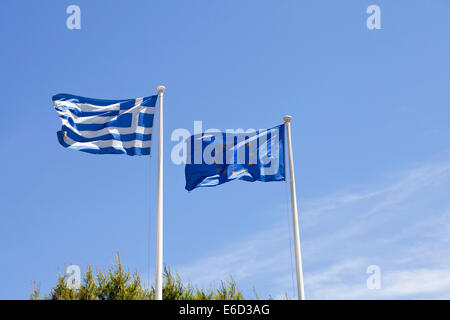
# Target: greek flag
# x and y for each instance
(106, 126)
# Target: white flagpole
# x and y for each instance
(159, 208)
(298, 253)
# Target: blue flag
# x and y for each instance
(214, 158)
(106, 126)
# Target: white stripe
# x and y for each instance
(88, 120)
(144, 130)
(98, 119)
(85, 107)
(108, 143)
(104, 119)
(139, 101)
(148, 110)
(98, 133)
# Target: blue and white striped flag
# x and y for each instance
(106, 126)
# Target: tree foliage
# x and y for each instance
(116, 283)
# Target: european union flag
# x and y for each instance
(217, 157)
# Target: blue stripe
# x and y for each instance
(149, 101)
(145, 120)
(122, 121)
(79, 99)
(109, 136)
(79, 113)
(110, 150)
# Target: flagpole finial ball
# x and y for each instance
(287, 118)
(161, 89)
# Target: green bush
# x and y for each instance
(116, 283)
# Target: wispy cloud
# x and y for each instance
(258, 255)
(338, 282)
(401, 226)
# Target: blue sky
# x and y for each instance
(370, 135)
